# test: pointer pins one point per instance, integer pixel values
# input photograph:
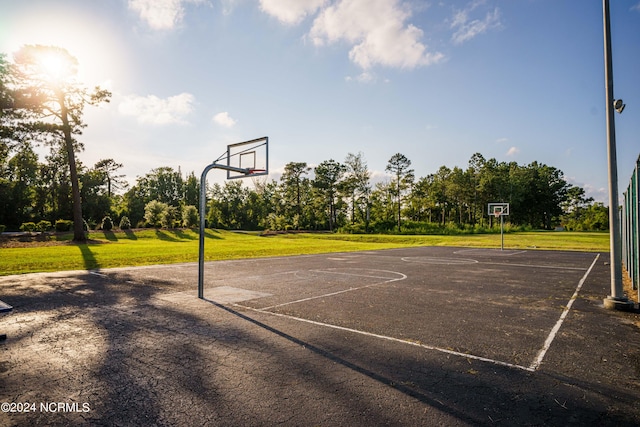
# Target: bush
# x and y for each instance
(106, 223)
(125, 224)
(64, 225)
(169, 217)
(190, 217)
(43, 226)
(154, 213)
(2, 228)
(28, 226)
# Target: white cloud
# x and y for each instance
(636, 7)
(378, 32)
(364, 77)
(153, 110)
(161, 14)
(502, 140)
(513, 151)
(223, 119)
(291, 11)
(467, 28)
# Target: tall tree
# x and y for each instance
(357, 185)
(293, 183)
(400, 166)
(47, 90)
(108, 168)
(329, 175)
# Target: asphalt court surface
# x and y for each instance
(496, 305)
(489, 304)
(411, 336)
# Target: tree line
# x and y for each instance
(37, 107)
(335, 196)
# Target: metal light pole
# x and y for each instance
(617, 299)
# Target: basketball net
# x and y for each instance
(497, 213)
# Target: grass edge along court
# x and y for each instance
(159, 246)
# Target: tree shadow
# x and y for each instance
(166, 237)
(110, 235)
(89, 259)
(130, 235)
(181, 234)
(212, 234)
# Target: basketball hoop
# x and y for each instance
(497, 213)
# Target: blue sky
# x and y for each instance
(517, 80)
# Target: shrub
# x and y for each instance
(63, 225)
(190, 217)
(106, 223)
(2, 228)
(154, 213)
(43, 226)
(125, 224)
(28, 226)
(169, 217)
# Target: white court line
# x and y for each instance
(403, 276)
(387, 338)
(538, 361)
(532, 368)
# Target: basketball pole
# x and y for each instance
(617, 299)
(203, 210)
(501, 232)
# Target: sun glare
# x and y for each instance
(55, 67)
(96, 47)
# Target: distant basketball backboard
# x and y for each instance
(498, 209)
(248, 159)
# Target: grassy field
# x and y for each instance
(147, 247)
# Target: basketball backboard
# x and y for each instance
(249, 158)
(498, 209)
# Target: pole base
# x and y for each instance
(621, 304)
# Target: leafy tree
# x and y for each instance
(108, 168)
(95, 201)
(155, 213)
(420, 206)
(382, 206)
(48, 93)
(18, 179)
(190, 217)
(357, 186)
(403, 177)
(329, 175)
(163, 184)
(53, 188)
(192, 190)
(595, 217)
(293, 185)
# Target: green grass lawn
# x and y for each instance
(147, 247)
